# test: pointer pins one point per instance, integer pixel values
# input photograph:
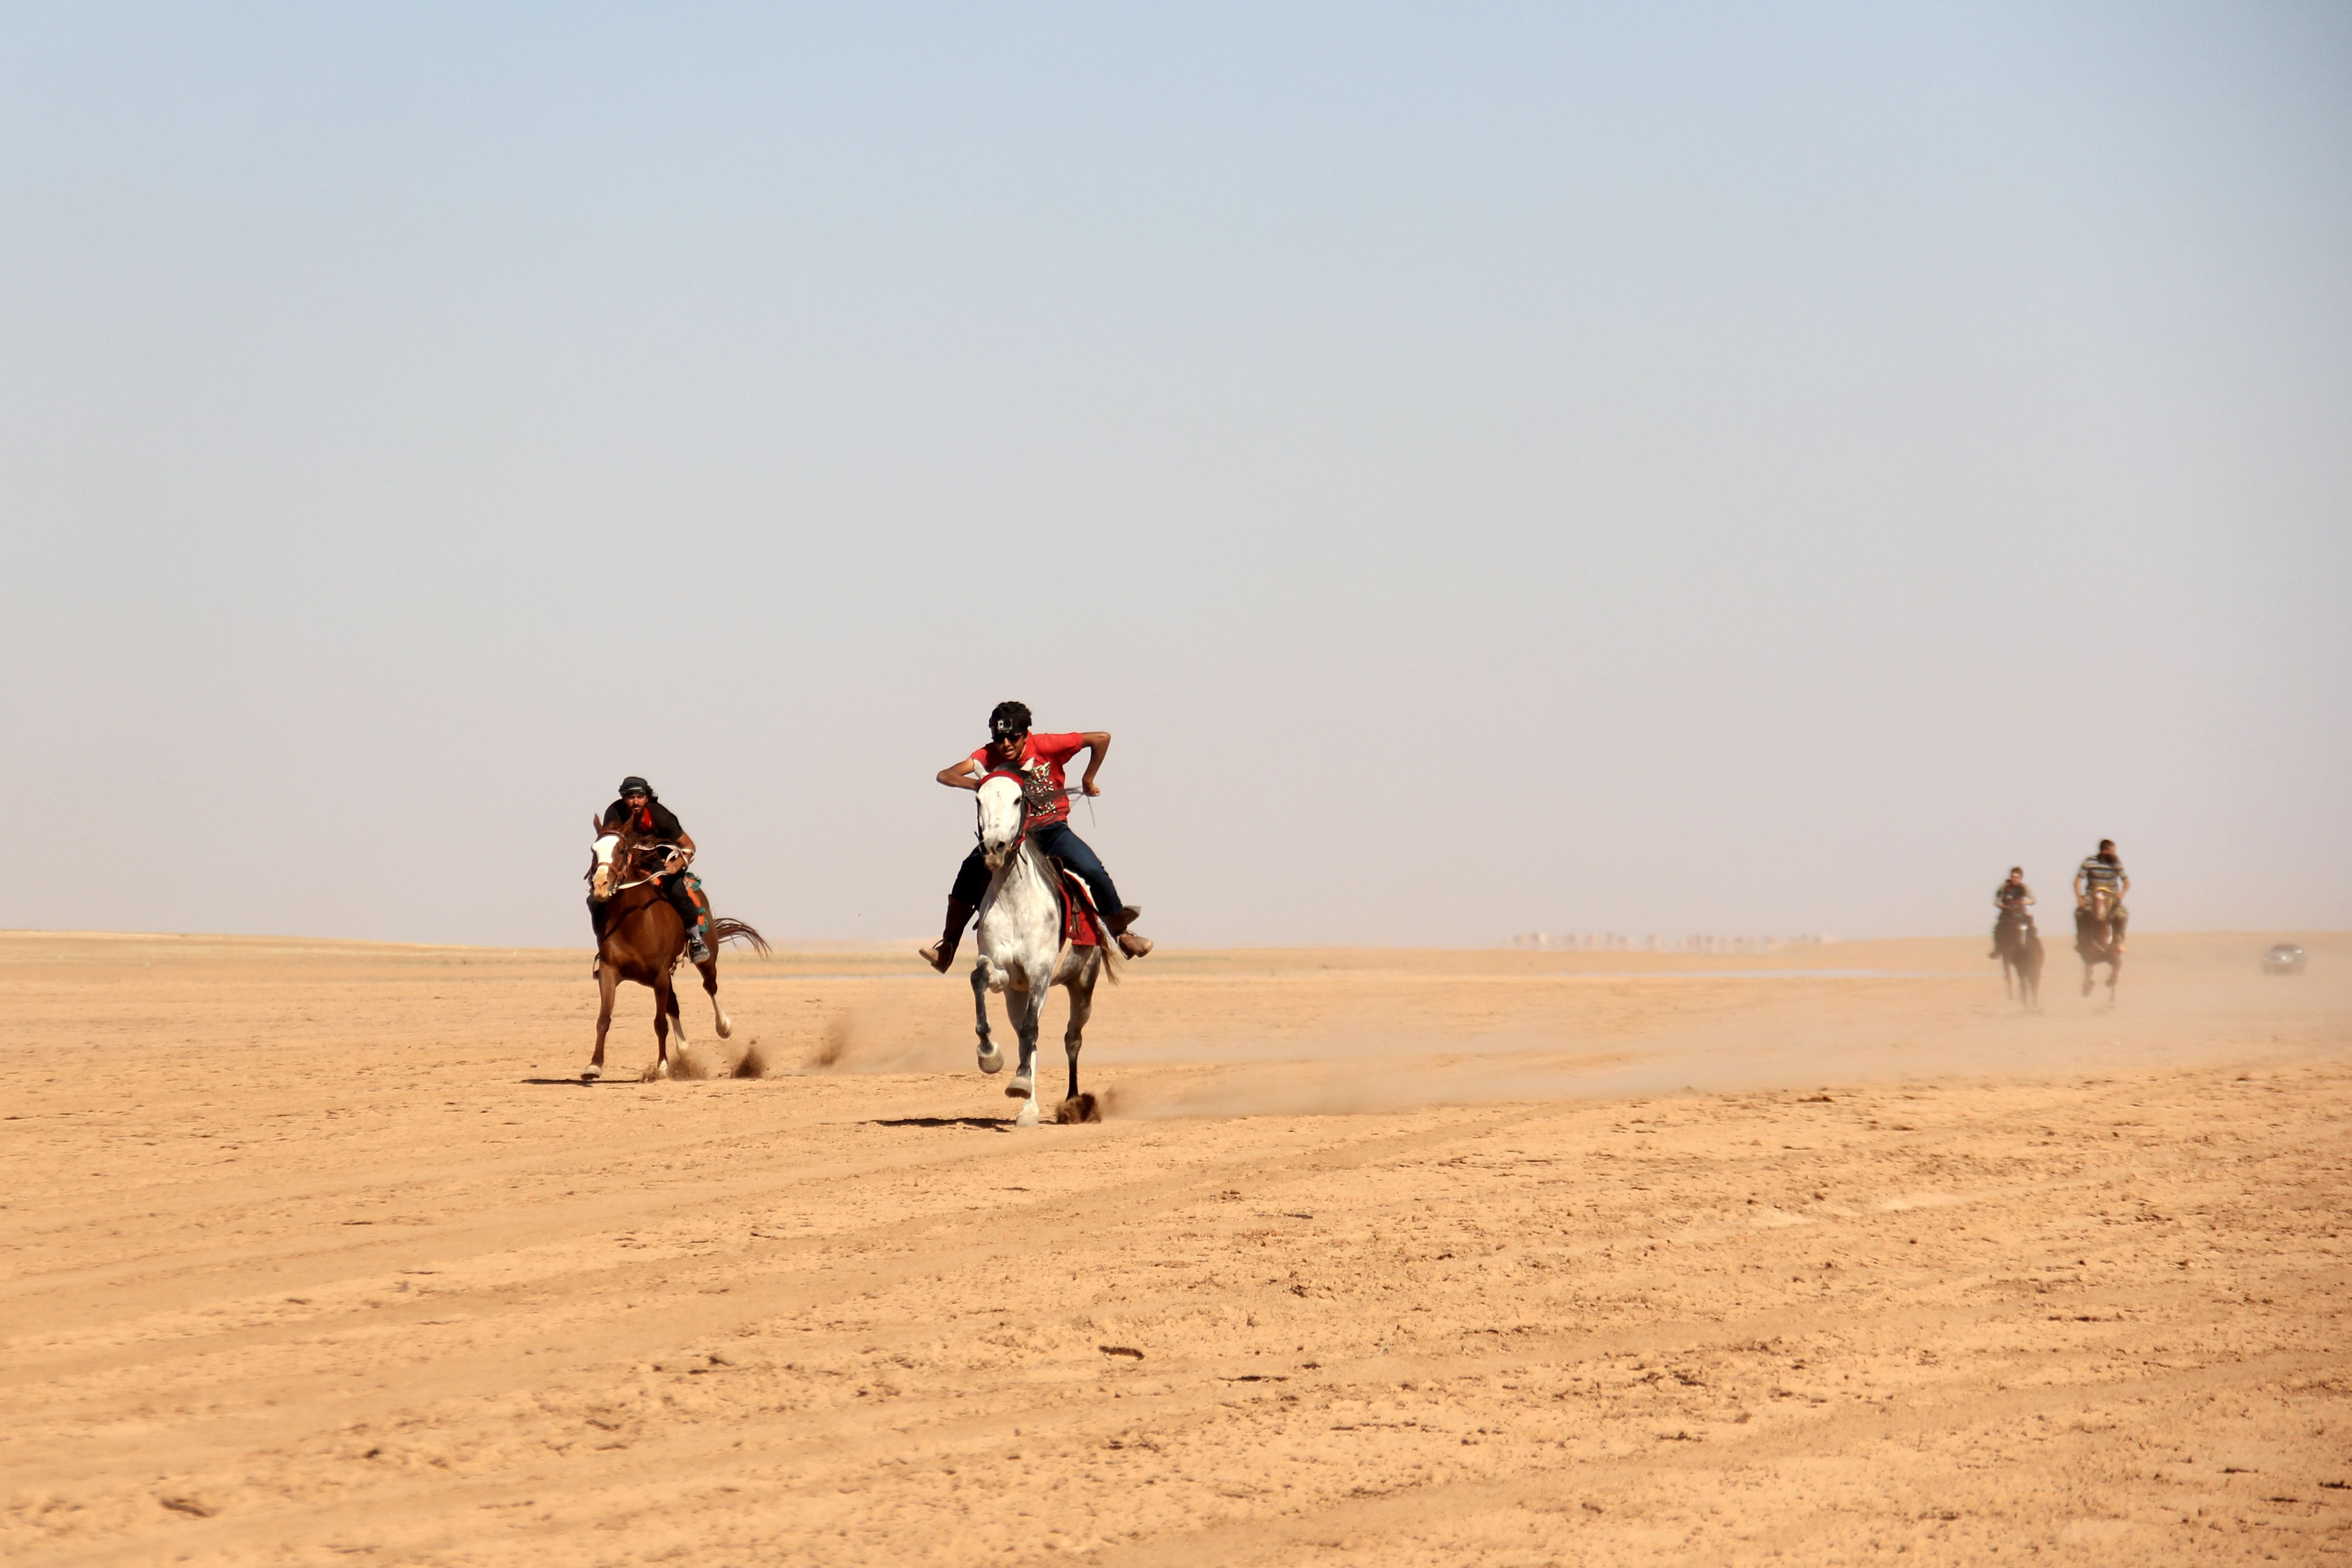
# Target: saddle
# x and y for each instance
(1082, 923)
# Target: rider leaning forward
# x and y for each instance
(2013, 898)
(641, 808)
(2103, 870)
(1038, 760)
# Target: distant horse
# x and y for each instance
(1032, 938)
(640, 937)
(2020, 946)
(2099, 937)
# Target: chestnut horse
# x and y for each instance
(2099, 937)
(640, 937)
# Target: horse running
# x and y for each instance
(1024, 950)
(640, 937)
(2020, 946)
(2099, 937)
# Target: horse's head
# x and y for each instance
(607, 864)
(1004, 818)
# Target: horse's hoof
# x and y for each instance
(1078, 1108)
(1028, 1117)
(991, 1059)
(590, 1074)
(726, 1026)
(1022, 1085)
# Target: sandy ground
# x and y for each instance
(317, 1253)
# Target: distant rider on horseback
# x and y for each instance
(1037, 759)
(2103, 870)
(2013, 898)
(640, 808)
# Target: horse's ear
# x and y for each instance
(595, 824)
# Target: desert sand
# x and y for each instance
(319, 1252)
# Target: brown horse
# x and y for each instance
(2020, 946)
(2099, 923)
(640, 937)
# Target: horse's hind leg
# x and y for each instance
(718, 1019)
(991, 1059)
(1082, 1008)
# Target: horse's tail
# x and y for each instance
(721, 930)
(1113, 959)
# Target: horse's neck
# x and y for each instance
(1024, 881)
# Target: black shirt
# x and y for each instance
(666, 828)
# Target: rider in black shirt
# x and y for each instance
(641, 808)
(2013, 898)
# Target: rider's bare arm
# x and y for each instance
(961, 774)
(1098, 746)
(686, 843)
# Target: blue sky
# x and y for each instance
(1640, 468)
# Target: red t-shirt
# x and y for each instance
(1040, 767)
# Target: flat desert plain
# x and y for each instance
(321, 1252)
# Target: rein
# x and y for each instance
(1021, 837)
(628, 863)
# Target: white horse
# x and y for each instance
(1023, 953)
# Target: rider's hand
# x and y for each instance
(1089, 786)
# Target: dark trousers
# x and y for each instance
(681, 898)
(1057, 840)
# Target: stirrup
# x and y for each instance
(697, 948)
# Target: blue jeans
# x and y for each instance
(1057, 840)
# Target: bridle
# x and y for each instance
(624, 864)
(979, 834)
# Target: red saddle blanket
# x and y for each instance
(1078, 919)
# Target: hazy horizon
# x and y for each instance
(1674, 469)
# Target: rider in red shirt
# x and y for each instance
(1039, 760)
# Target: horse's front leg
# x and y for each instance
(1026, 1014)
(606, 983)
(991, 1059)
(665, 1010)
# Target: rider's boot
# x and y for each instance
(683, 902)
(1133, 944)
(938, 955)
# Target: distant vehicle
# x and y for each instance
(2285, 958)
